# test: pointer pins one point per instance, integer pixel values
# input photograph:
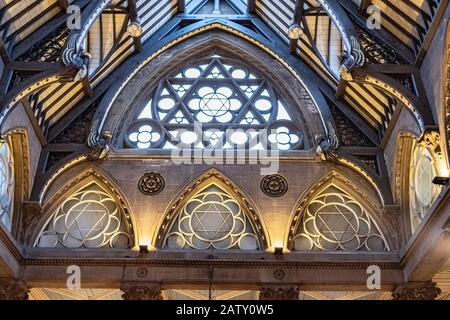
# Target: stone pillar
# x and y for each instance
(416, 291)
(279, 293)
(13, 290)
(141, 291)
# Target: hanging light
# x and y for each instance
(295, 31)
(134, 29)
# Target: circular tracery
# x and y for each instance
(219, 94)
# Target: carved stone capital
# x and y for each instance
(279, 293)
(13, 290)
(416, 291)
(141, 291)
(431, 139)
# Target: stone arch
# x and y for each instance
(17, 140)
(91, 176)
(212, 177)
(339, 180)
(116, 105)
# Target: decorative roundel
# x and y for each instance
(274, 185)
(279, 274)
(151, 184)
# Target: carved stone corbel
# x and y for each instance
(99, 143)
(279, 293)
(416, 291)
(31, 212)
(141, 291)
(327, 146)
(431, 140)
(14, 290)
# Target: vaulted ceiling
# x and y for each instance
(33, 34)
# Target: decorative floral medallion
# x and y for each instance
(274, 185)
(151, 184)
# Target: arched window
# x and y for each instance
(334, 221)
(6, 185)
(89, 218)
(422, 192)
(215, 102)
(212, 219)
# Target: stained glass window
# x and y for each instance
(6, 185)
(212, 219)
(215, 103)
(334, 221)
(422, 190)
(90, 218)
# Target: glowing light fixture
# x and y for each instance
(134, 29)
(295, 31)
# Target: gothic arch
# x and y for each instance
(115, 106)
(93, 180)
(417, 161)
(340, 182)
(212, 177)
(17, 140)
(445, 113)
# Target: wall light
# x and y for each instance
(441, 181)
(278, 251)
(143, 248)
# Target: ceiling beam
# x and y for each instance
(4, 54)
(251, 4)
(381, 34)
(437, 22)
(64, 4)
(181, 6)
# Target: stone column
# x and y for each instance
(416, 291)
(13, 290)
(279, 293)
(141, 291)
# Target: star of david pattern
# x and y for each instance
(212, 219)
(197, 106)
(334, 221)
(89, 218)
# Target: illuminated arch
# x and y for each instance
(88, 212)
(334, 215)
(231, 218)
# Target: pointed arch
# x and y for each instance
(90, 211)
(214, 196)
(109, 116)
(15, 171)
(334, 215)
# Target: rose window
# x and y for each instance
(215, 103)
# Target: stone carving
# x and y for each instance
(279, 274)
(151, 184)
(100, 148)
(279, 293)
(142, 272)
(274, 185)
(141, 291)
(416, 291)
(15, 290)
(431, 140)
